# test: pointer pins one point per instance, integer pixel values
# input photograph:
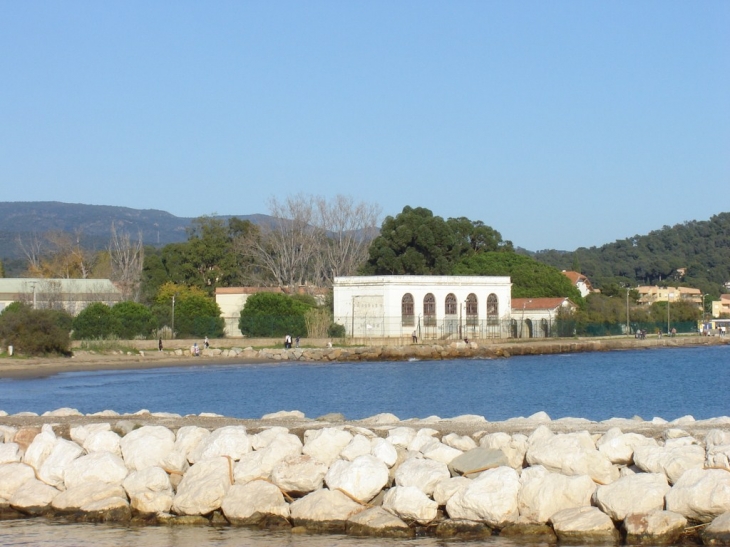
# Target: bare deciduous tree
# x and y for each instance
(127, 259)
(33, 251)
(350, 228)
(311, 240)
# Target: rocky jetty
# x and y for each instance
(563, 481)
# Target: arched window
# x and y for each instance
(406, 310)
(492, 309)
(429, 310)
(472, 309)
(451, 305)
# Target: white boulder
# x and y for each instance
(384, 450)
(639, 493)
(53, 467)
(658, 527)
(147, 446)
(700, 494)
(299, 474)
(325, 444)
(542, 493)
(9, 453)
(188, 438)
(401, 436)
(460, 442)
(247, 504)
(40, 448)
(149, 490)
(358, 446)
(260, 463)
(448, 487)
(231, 441)
(97, 466)
(328, 509)
(489, 498)
(424, 474)
(409, 502)
(203, 487)
(584, 525)
(103, 441)
(88, 492)
(12, 477)
(671, 461)
(33, 496)
(619, 446)
(514, 447)
(361, 478)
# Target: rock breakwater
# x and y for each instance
(566, 480)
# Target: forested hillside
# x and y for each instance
(702, 248)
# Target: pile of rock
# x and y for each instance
(376, 478)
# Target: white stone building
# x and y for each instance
(435, 307)
(73, 295)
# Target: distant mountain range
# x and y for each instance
(91, 222)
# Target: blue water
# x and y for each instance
(668, 383)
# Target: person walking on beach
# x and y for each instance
(206, 344)
(414, 337)
(159, 345)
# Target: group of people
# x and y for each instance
(287, 341)
(195, 350)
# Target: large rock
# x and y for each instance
(477, 460)
(98, 466)
(717, 444)
(409, 502)
(149, 490)
(542, 493)
(490, 498)
(570, 454)
(111, 509)
(671, 461)
(619, 446)
(718, 532)
(448, 487)
(9, 453)
(377, 522)
(299, 474)
(12, 477)
(79, 433)
(700, 494)
(147, 446)
(584, 525)
(203, 487)
(463, 443)
(514, 447)
(325, 444)
(358, 446)
(263, 438)
(423, 437)
(40, 448)
(655, 528)
(188, 438)
(103, 441)
(53, 467)
(440, 452)
(640, 493)
(73, 499)
(401, 436)
(384, 450)
(324, 510)
(424, 474)
(260, 463)
(249, 504)
(361, 478)
(34, 497)
(231, 441)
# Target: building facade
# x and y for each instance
(72, 295)
(650, 294)
(430, 307)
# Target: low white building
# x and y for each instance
(437, 307)
(72, 295)
(537, 317)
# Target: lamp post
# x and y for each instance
(669, 299)
(627, 312)
(34, 297)
(173, 316)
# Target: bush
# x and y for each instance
(272, 315)
(198, 316)
(35, 332)
(133, 320)
(336, 330)
(96, 321)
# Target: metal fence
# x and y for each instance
(451, 329)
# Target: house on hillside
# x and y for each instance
(650, 294)
(721, 307)
(72, 295)
(536, 317)
(580, 282)
(434, 307)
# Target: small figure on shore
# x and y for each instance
(414, 337)
(674, 332)
(287, 341)
(195, 350)
(329, 343)
(466, 340)
(297, 341)
(159, 345)
(206, 344)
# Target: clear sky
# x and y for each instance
(559, 124)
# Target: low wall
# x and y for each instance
(568, 480)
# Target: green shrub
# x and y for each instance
(335, 330)
(272, 315)
(133, 320)
(198, 316)
(96, 321)
(35, 332)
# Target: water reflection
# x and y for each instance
(42, 533)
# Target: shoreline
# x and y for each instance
(94, 361)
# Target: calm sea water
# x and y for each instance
(668, 383)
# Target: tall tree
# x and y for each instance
(127, 260)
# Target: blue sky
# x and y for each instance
(560, 124)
